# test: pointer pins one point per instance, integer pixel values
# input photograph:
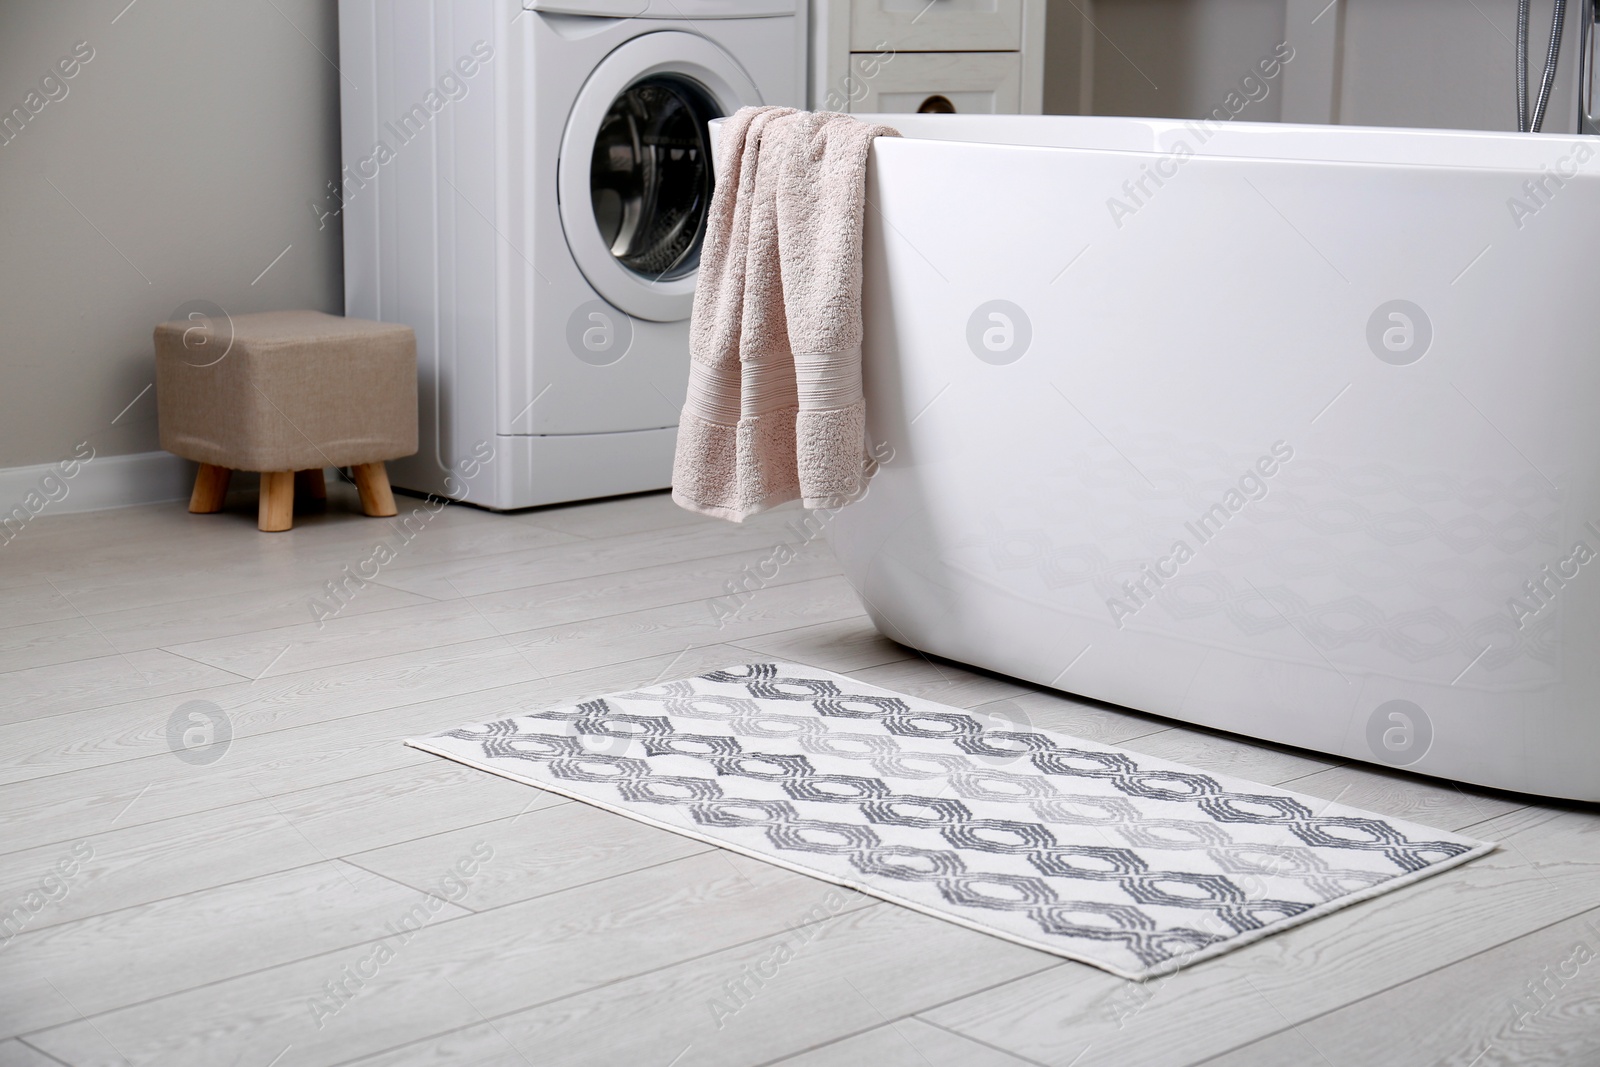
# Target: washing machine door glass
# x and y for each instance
(650, 176)
(635, 175)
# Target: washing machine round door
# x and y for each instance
(634, 177)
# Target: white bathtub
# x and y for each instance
(1352, 349)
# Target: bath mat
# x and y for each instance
(1127, 862)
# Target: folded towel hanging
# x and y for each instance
(774, 410)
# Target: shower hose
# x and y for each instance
(1530, 123)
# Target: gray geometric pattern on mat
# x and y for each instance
(1131, 863)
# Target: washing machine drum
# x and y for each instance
(650, 176)
(635, 171)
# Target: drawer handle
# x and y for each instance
(937, 104)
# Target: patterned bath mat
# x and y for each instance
(1130, 863)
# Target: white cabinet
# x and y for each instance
(978, 56)
(940, 26)
(968, 82)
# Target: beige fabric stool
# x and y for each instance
(287, 393)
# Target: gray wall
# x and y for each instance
(1064, 30)
(1180, 57)
(1449, 63)
(187, 153)
(1432, 63)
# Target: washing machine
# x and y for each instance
(526, 183)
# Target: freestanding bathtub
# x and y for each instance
(1290, 431)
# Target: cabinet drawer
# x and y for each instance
(970, 82)
(936, 25)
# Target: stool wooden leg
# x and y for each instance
(310, 484)
(276, 512)
(373, 483)
(210, 489)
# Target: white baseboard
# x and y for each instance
(102, 482)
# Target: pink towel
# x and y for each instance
(775, 410)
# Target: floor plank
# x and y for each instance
(292, 753)
(1448, 805)
(105, 681)
(455, 972)
(1532, 1002)
(29, 600)
(582, 599)
(171, 944)
(470, 575)
(334, 642)
(1224, 754)
(356, 816)
(906, 1042)
(140, 728)
(44, 644)
(839, 975)
(17, 1054)
(594, 643)
(942, 682)
(845, 645)
(1073, 716)
(223, 615)
(610, 518)
(552, 847)
(681, 607)
(143, 564)
(140, 864)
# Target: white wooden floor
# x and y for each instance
(244, 911)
